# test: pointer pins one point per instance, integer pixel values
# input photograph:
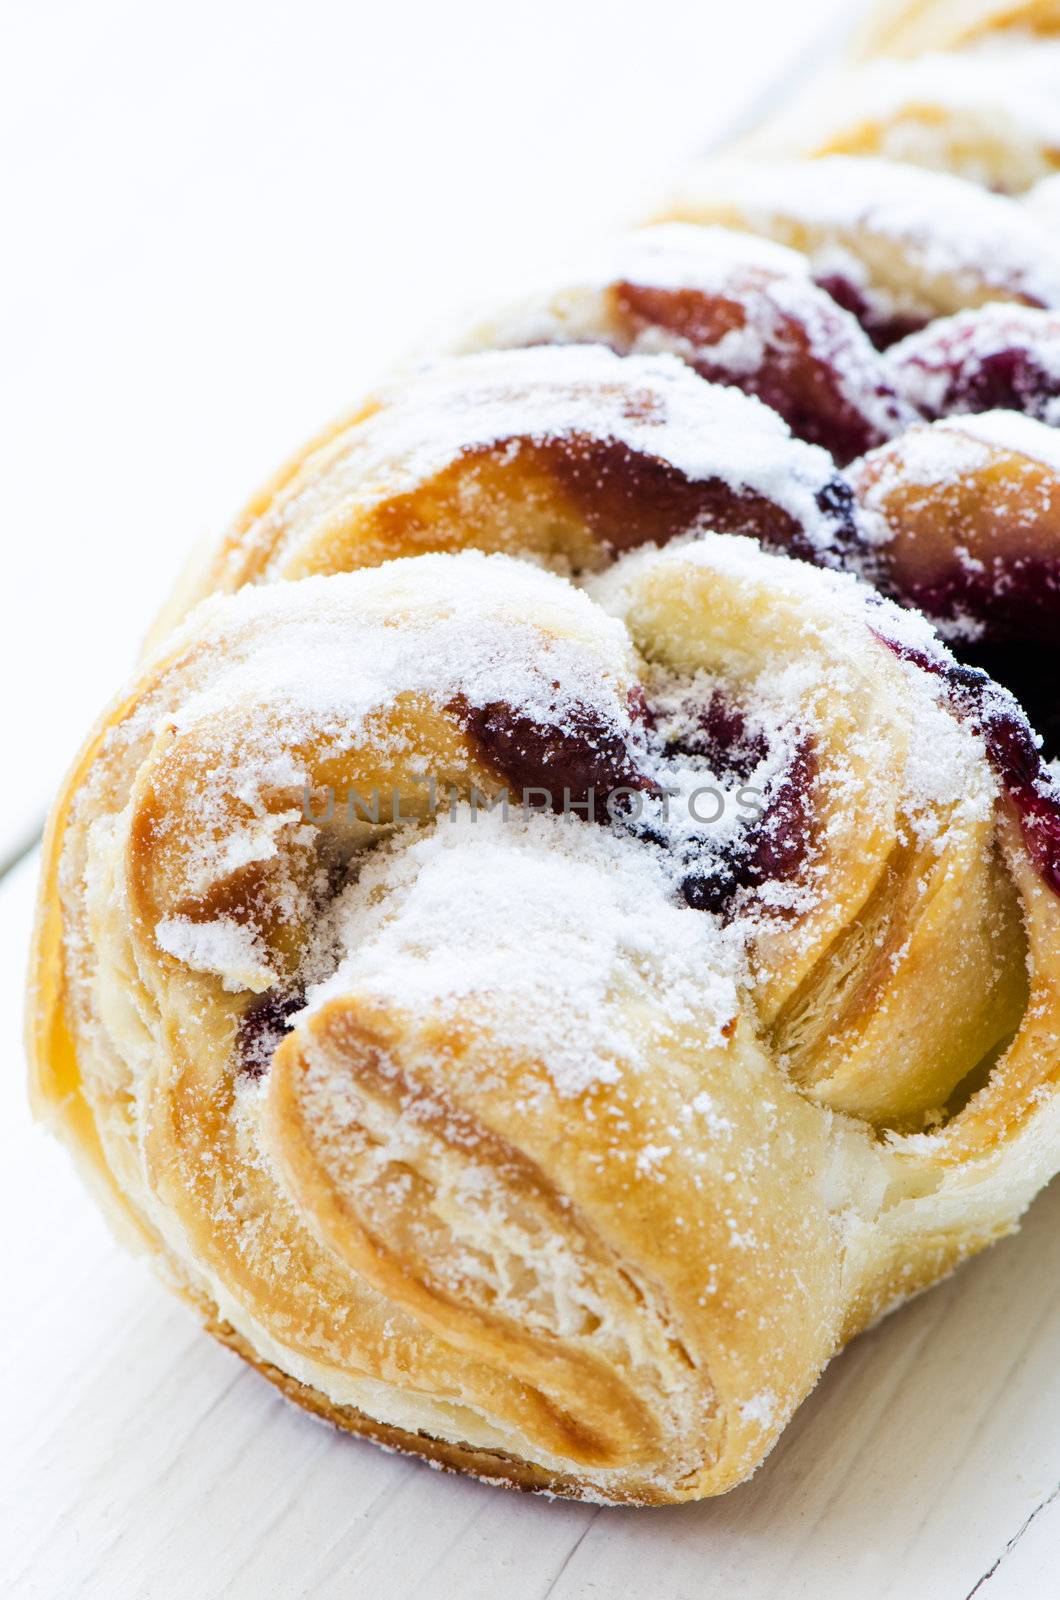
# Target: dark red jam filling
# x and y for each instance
(261, 1027)
(771, 848)
(630, 498)
(839, 504)
(718, 733)
(801, 386)
(817, 410)
(1011, 746)
(1008, 379)
(568, 760)
(586, 761)
(883, 328)
(1014, 601)
(773, 845)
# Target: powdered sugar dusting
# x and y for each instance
(224, 947)
(948, 228)
(1012, 431)
(323, 654)
(1043, 201)
(943, 455)
(991, 113)
(682, 255)
(947, 366)
(784, 318)
(475, 918)
(760, 1410)
(929, 456)
(471, 914)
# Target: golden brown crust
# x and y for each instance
(492, 1467)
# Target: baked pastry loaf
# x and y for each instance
(551, 943)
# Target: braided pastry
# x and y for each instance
(551, 943)
(990, 114)
(896, 245)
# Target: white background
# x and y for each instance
(221, 222)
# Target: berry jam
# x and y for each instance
(567, 760)
(772, 847)
(1005, 380)
(629, 498)
(793, 375)
(1014, 600)
(883, 329)
(263, 1024)
(1011, 747)
(585, 759)
(719, 734)
(990, 359)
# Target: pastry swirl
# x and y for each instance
(528, 1178)
(551, 942)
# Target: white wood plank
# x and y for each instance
(143, 1462)
(1030, 1561)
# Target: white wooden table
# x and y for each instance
(231, 216)
(142, 1462)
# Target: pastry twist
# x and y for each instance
(544, 951)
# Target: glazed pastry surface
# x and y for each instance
(562, 929)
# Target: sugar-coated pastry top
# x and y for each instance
(996, 358)
(740, 309)
(895, 243)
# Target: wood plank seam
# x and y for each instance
(1043, 1505)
